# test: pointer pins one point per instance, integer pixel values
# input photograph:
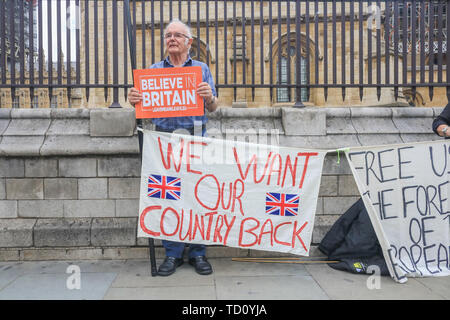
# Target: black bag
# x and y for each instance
(353, 242)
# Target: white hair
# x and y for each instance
(188, 29)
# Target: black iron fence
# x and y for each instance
(276, 51)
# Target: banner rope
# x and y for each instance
(338, 156)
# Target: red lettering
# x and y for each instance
(188, 232)
(265, 169)
(270, 232)
(217, 229)
(162, 222)
(275, 234)
(223, 195)
(241, 232)
(210, 215)
(253, 160)
(296, 235)
(142, 223)
(197, 226)
(239, 164)
(170, 155)
(189, 156)
(292, 170)
(218, 191)
(276, 156)
(229, 226)
(237, 197)
(305, 167)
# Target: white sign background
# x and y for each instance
(208, 213)
(405, 189)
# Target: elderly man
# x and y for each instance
(178, 40)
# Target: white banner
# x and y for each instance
(405, 189)
(237, 194)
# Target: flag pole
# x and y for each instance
(132, 45)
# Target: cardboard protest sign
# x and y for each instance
(406, 191)
(232, 193)
(168, 92)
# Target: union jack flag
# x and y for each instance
(282, 204)
(164, 187)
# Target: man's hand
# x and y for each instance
(134, 96)
(440, 128)
(204, 90)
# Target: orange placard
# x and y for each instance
(168, 92)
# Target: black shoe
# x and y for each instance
(169, 266)
(201, 265)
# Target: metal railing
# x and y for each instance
(287, 49)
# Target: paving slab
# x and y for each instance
(35, 267)
(227, 267)
(53, 286)
(136, 273)
(8, 273)
(46, 280)
(45, 267)
(439, 285)
(275, 287)
(341, 285)
(162, 293)
(109, 266)
(231, 280)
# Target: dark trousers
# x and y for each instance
(173, 248)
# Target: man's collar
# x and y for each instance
(188, 62)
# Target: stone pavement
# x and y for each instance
(231, 280)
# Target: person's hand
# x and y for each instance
(204, 90)
(442, 134)
(134, 96)
(447, 133)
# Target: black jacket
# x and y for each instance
(352, 241)
(443, 118)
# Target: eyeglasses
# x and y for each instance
(176, 35)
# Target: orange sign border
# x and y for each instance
(147, 113)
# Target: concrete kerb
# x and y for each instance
(304, 121)
(62, 232)
(5, 119)
(437, 111)
(70, 113)
(16, 232)
(30, 113)
(115, 122)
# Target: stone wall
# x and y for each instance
(69, 178)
